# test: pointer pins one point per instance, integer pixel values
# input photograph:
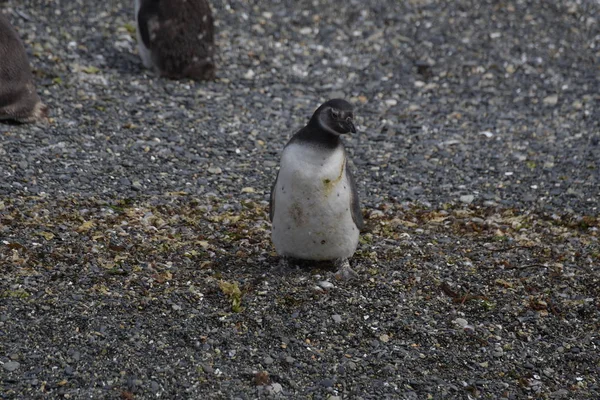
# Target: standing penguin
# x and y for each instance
(314, 206)
(176, 37)
(18, 98)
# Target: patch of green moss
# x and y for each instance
(18, 294)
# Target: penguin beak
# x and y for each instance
(349, 125)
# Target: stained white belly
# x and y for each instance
(313, 219)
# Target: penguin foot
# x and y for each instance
(344, 272)
(284, 262)
(283, 265)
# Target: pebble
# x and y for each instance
(559, 394)
(467, 198)
(274, 388)
(11, 366)
(327, 382)
(268, 360)
(461, 322)
(551, 100)
(154, 386)
(336, 318)
(326, 284)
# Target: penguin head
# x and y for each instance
(335, 116)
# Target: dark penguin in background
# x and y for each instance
(18, 98)
(314, 206)
(176, 38)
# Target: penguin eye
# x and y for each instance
(335, 113)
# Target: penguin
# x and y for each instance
(314, 205)
(19, 100)
(176, 38)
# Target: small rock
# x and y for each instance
(327, 382)
(248, 190)
(325, 284)
(268, 360)
(214, 170)
(467, 198)
(337, 94)
(273, 388)
(384, 338)
(154, 386)
(560, 393)
(249, 74)
(11, 366)
(336, 318)
(461, 322)
(551, 100)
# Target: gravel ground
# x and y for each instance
(135, 259)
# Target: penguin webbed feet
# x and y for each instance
(344, 271)
(284, 263)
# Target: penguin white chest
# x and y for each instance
(312, 203)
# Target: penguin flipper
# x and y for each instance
(272, 199)
(354, 201)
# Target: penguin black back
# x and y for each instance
(180, 35)
(18, 98)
